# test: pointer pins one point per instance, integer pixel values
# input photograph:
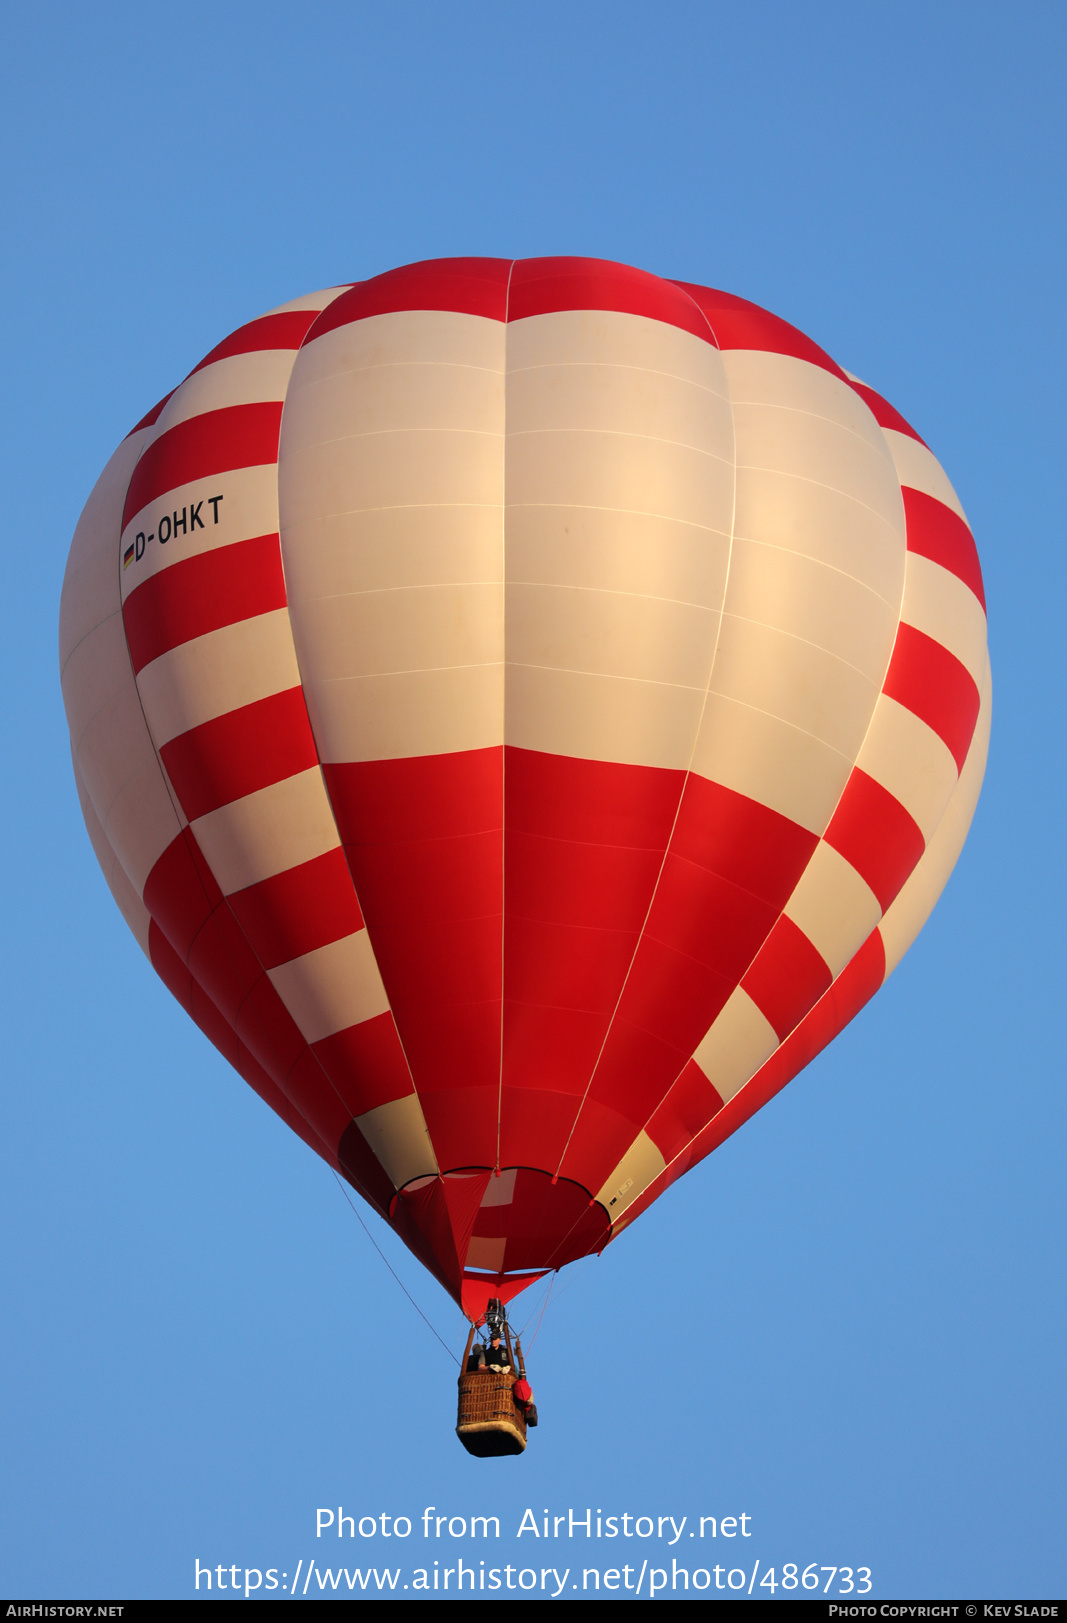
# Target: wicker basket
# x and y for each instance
(490, 1421)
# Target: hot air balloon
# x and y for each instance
(524, 710)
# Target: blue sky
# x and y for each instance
(847, 1324)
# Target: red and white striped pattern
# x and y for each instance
(539, 705)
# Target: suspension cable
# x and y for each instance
(544, 1305)
(393, 1271)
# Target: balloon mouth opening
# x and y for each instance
(485, 1234)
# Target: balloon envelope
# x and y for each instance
(523, 711)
